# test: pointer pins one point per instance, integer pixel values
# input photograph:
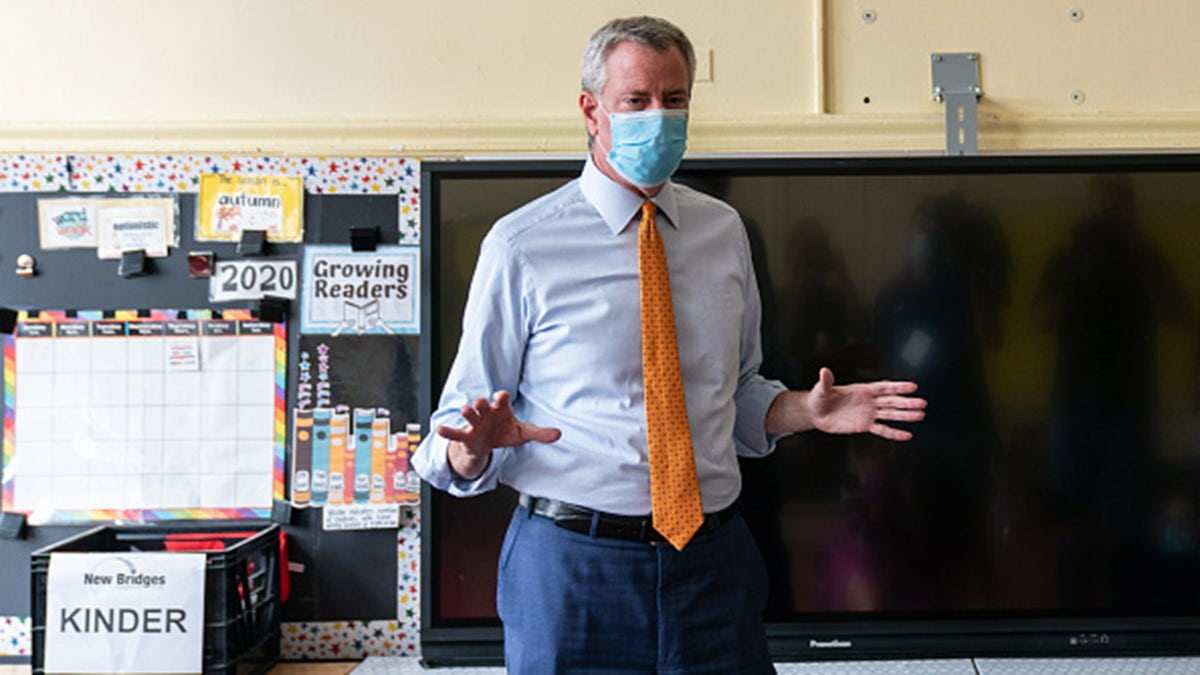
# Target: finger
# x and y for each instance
(824, 381)
(901, 402)
(501, 399)
(893, 415)
(473, 416)
(454, 433)
(883, 387)
(542, 434)
(890, 433)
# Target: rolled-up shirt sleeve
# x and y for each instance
(494, 334)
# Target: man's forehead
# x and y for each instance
(638, 64)
(629, 49)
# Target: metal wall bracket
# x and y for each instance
(956, 84)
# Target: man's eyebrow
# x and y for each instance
(646, 92)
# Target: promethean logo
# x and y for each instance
(830, 644)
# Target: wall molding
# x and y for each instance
(441, 137)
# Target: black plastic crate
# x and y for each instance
(241, 586)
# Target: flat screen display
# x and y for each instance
(1048, 307)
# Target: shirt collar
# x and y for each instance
(617, 204)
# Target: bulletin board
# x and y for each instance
(338, 578)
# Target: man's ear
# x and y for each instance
(590, 108)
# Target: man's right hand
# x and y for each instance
(490, 425)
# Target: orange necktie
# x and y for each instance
(674, 489)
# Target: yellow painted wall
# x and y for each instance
(449, 77)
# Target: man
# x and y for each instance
(589, 580)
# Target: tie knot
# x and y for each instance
(648, 210)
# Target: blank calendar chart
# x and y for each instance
(143, 415)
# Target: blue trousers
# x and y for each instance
(572, 603)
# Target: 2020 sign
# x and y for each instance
(253, 280)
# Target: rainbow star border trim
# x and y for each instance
(180, 174)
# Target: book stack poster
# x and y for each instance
(354, 428)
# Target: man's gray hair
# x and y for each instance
(658, 34)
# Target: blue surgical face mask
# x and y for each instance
(647, 145)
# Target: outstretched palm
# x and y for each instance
(863, 408)
(492, 425)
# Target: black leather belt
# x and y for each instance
(633, 528)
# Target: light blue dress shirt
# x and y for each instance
(552, 317)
